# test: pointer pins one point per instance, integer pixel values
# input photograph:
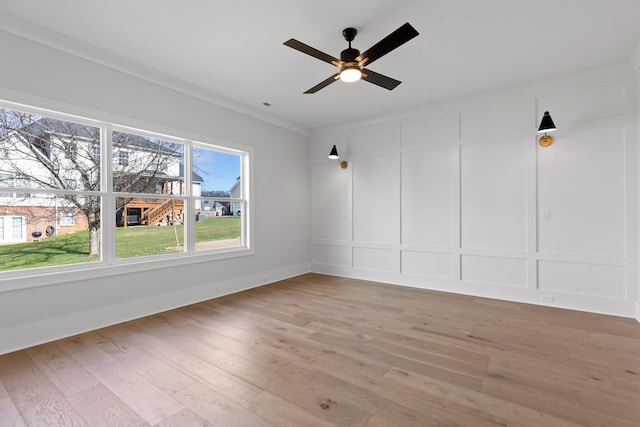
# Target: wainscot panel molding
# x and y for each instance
(376, 198)
(374, 138)
(429, 179)
(431, 130)
(460, 197)
(428, 264)
(494, 270)
(495, 119)
(494, 194)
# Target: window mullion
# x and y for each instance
(244, 196)
(108, 211)
(190, 205)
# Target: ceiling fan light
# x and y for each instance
(350, 74)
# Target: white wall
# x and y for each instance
(34, 74)
(635, 62)
(452, 197)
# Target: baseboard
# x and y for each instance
(586, 303)
(27, 335)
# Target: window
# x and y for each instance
(12, 229)
(216, 179)
(151, 225)
(141, 174)
(44, 184)
(17, 227)
(6, 180)
(71, 150)
(123, 158)
(155, 197)
(11, 180)
(42, 142)
(67, 218)
(71, 184)
(22, 181)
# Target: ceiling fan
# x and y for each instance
(351, 62)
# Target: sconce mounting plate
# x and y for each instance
(545, 140)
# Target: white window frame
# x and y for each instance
(8, 224)
(67, 218)
(108, 264)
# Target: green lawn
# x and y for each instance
(130, 242)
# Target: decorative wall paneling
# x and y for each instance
(462, 198)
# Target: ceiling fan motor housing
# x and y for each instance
(349, 55)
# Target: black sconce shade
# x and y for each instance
(333, 155)
(546, 124)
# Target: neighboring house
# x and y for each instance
(216, 208)
(235, 193)
(42, 156)
(222, 207)
(22, 223)
(55, 155)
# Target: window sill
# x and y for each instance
(47, 276)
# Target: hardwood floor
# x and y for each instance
(325, 351)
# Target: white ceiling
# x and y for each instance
(232, 51)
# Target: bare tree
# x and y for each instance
(45, 153)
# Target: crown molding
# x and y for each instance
(102, 57)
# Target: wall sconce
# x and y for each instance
(546, 125)
(333, 155)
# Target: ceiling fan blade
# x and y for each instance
(295, 44)
(387, 44)
(379, 79)
(324, 83)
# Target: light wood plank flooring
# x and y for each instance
(325, 351)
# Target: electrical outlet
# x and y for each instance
(545, 214)
(546, 298)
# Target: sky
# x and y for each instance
(218, 169)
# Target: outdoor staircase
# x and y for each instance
(159, 213)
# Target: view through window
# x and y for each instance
(217, 180)
(165, 196)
